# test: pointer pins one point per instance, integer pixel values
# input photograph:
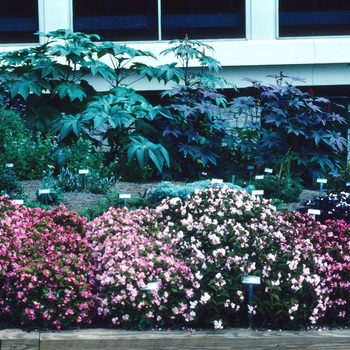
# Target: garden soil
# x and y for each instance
(76, 201)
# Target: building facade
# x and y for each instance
(251, 38)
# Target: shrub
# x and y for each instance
(295, 130)
(30, 153)
(47, 276)
(226, 234)
(168, 189)
(131, 250)
(9, 184)
(276, 188)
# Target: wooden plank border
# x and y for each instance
(13, 339)
(228, 339)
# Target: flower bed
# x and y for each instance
(58, 271)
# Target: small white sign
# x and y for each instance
(347, 184)
(44, 191)
(268, 170)
(18, 201)
(9, 165)
(151, 286)
(259, 177)
(83, 171)
(314, 211)
(250, 279)
(217, 181)
(257, 192)
(125, 196)
(322, 181)
(250, 167)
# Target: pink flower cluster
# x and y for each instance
(47, 275)
(131, 250)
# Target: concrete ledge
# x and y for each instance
(228, 339)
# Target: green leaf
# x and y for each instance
(73, 91)
(144, 150)
(30, 82)
(68, 123)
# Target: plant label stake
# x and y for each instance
(251, 281)
(83, 172)
(321, 182)
(314, 212)
(257, 193)
(259, 177)
(45, 193)
(125, 196)
(233, 179)
(18, 201)
(217, 181)
(9, 166)
(250, 171)
(150, 286)
(268, 171)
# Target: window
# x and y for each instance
(314, 18)
(135, 20)
(117, 19)
(203, 19)
(18, 21)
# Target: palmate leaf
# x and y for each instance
(71, 90)
(336, 141)
(243, 104)
(172, 130)
(320, 135)
(302, 158)
(295, 129)
(211, 63)
(188, 149)
(29, 82)
(276, 118)
(168, 72)
(68, 123)
(143, 150)
(269, 139)
(102, 69)
(206, 155)
(322, 159)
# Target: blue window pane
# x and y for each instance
(117, 20)
(314, 18)
(203, 20)
(18, 21)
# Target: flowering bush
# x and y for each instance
(226, 234)
(46, 271)
(180, 264)
(131, 250)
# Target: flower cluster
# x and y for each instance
(47, 275)
(226, 234)
(131, 251)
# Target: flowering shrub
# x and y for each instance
(226, 234)
(180, 264)
(46, 271)
(131, 250)
(324, 278)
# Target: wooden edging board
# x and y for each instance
(227, 339)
